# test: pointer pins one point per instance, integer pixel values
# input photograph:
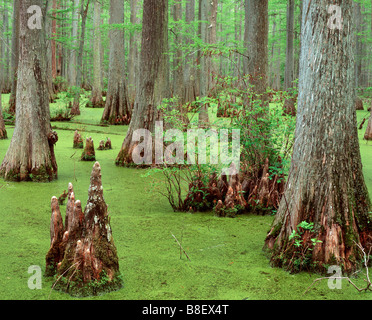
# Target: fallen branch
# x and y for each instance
(366, 260)
(181, 247)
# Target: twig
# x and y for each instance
(181, 247)
(366, 260)
(61, 277)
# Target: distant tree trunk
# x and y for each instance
(73, 61)
(153, 85)
(257, 40)
(289, 63)
(31, 152)
(53, 42)
(76, 104)
(48, 29)
(325, 184)
(3, 133)
(117, 109)
(247, 27)
(298, 48)
(14, 55)
(212, 39)
(204, 9)
(178, 85)
(178, 62)
(189, 69)
(357, 9)
(368, 134)
(4, 78)
(272, 61)
(133, 51)
(96, 100)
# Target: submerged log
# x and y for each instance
(83, 255)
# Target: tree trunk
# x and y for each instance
(117, 108)
(178, 85)
(257, 40)
(75, 110)
(189, 69)
(133, 51)
(48, 29)
(325, 185)
(368, 134)
(31, 152)
(212, 39)
(4, 52)
(289, 64)
(153, 77)
(96, 100)
(357, 10)
(73, 60)
(178, 81)
(3, 133)
(83, 254)
(204, 9)
(53, 42)
(15, 56)
(272, 69)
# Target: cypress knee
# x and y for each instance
(89, 265)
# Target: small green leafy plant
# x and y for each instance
(303, 250)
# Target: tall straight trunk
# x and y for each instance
(325, 184)
(368, 134)
(298, 48)
(3, 133)
(153, 84)
(5, 53)
(73, 57)
(204, 12)
(189, 69)
(357, 9)
(272, 60)
(212, 39)
(248, 10)
(96, 100)
(133, 50)
(53, 41)
(289, 62)
(117, 108)
(31, 152)
(48, 30)
(257, 41)
(15, 55)
(178, 85)
(84, 13)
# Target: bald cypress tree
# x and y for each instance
(153, 84)
(326, 196)
(31, 152)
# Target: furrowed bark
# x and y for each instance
(325, 184)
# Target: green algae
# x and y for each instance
(227, 260)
